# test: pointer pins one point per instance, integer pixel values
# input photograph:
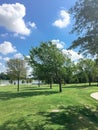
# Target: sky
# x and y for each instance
(25, 24)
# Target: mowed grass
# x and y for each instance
(42, 108)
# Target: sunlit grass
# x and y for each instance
(42, 108)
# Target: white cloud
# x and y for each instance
(29, 71)
(63, 21)
(72, 54)
(32, 24)
(18, 55)
(7, 47)
(0, 64)
(22, 37)
(4, 35)
(6, 59)
(58, 43)
(27, 56)
(11, 17)
(2, 68)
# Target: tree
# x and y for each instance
(69, 71)
(85, 13)
(96, 69)
(48, 62)
(4, 76)
(86, 70)
(16, 69)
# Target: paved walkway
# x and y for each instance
(94, 95)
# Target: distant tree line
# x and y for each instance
(50, 65)
(4, 76)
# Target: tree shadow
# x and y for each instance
(74, 118)
(67, 118)
(10, 95)
(78, 86)
(20, 124)
(34, 88)
(14, 125)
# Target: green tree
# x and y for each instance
(48, 62)
(86, 70)
(96, 69)
(4, 76)
(85, 14)
(16, 69)
(69, 71)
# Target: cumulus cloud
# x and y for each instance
(72, 54)
(63, 21)
(6, 48)
(58, 43)
(18, 55)
(11, 17)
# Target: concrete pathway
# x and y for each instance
(94, 95)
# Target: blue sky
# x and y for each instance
(27, 23)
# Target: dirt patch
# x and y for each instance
(55, 110)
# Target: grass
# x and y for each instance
(35, 108)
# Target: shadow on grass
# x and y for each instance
(20, 124)
(34, 88)
(77, 86)
(10, 95)
(74, 118)
(67, 118)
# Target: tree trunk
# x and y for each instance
(90, 79)
(89, 83)
(60, 86)
(18, 85)
(50, 85)
(39, 83)
(97, 81)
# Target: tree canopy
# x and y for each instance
(86, 68)
(85, 14)
(4, 76)
(48, 63)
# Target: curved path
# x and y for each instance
(94, 95)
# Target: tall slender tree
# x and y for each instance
(16, 69)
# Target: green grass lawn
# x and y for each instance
(35, 108)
